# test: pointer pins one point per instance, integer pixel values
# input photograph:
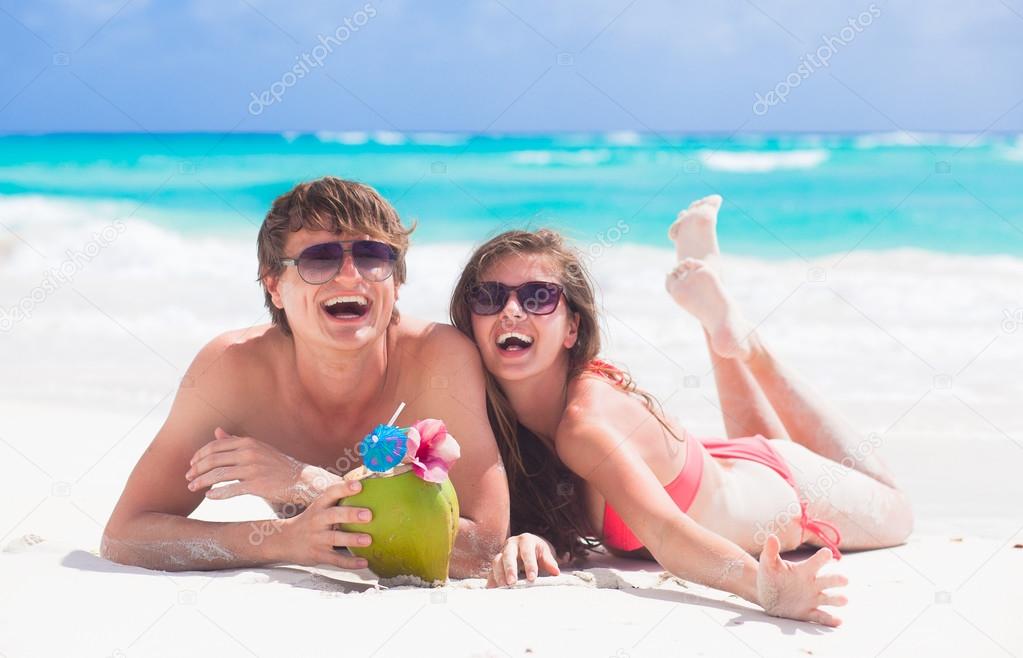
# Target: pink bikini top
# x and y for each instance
(682, 489)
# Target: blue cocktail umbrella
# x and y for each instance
(383, 448)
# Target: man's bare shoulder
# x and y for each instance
(237, 356)
(437, 344)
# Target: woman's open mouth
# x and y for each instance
(514, 342)
(347, 307)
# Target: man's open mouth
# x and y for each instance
(512, 341)
(347, 307)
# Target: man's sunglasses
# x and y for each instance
(321, 262)
(536, 297)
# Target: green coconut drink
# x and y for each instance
(415, 508)
(413, 528)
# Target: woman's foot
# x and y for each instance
(694, 231)
(697, 288)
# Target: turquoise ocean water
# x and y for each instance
(786, 195)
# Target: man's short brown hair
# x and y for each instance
(327, 204)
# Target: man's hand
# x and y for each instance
(531, 550)
(257, 468)
(310, 538)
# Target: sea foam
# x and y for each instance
(761, 162)
(876, 331)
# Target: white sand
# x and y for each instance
(911, 345)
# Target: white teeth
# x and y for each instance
(347, 299)
(503, 338)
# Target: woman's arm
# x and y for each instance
(682, 546)
(607, 461)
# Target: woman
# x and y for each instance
(589, 455)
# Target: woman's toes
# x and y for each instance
(684, 267)
(711, 199)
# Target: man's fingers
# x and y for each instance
(220, 445)
(227, 491)
(829, 580)
(341, 560)
(217, 475)
(824, 618)
(336, 492)
(211, 461)
(219, 433)
(546, 558)
(338, 538)
(346, 514)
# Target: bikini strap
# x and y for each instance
(818, 527)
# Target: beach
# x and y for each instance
(869, 158)
(106, 299)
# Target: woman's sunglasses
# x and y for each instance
(536, 297)
(321, 262)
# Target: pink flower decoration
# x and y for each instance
(431, 450)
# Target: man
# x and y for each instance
(278, 410)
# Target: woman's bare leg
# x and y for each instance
(745, 408)
(868, 514)
(838, 471)
(810, 420)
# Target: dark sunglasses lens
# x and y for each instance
(488, 298)
(374, 260)
(539, 298)
(320, 263)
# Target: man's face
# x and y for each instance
(347, 311)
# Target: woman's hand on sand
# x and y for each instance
(253, 467)
(795, 590)
(532, 551)
(311, 537)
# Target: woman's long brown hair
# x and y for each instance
(546, 497)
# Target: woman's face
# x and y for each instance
(515, 344)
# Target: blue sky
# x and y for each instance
(509, 65)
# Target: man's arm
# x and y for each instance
(149, 525)
(457, 395)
